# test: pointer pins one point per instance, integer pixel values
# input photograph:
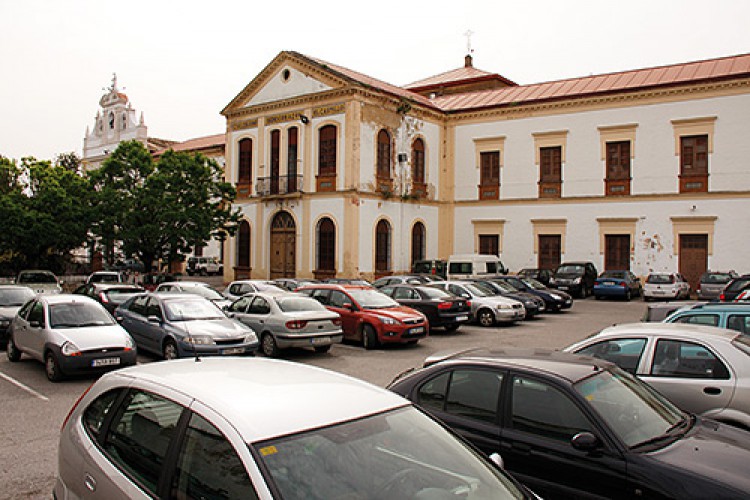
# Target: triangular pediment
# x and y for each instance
(288, 76)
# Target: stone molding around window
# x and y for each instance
(486, 144)
(488, 227)
(551, 227)
(616, 225)
(694, 126)
(693, 225)
(548, 140)
(616, 133)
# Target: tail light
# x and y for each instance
(722, 297)
(75, 405)
(623, 284)
(336, 322)
(468, 303)
(296, 324)
(672, 279)
(103, 297)
(445, 305)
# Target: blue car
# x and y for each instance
(618, 284)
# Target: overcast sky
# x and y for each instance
(181, 62)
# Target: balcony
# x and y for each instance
(279, 185)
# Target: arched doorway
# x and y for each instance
(283, 246)
(242, 267)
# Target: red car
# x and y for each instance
(370, 316)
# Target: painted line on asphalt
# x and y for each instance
(24, 387)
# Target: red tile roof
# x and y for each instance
(464, 74)
(198, 143)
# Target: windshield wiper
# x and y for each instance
(669, 433)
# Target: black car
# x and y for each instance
(571, 426)
(443, 309)
(110, 295)
(578, 278)
(554, 300)
(534, 305)
(734, 288)
(541, 275)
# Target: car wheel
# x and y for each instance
(268, 346)
(52, 367)
(628, 295)
(322, 349)
(14, 354)
(485, 317)
(204, 272)
(369, 337)
(170, 350)
(190, 273)
(598, 297)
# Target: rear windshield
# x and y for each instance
(738, 284)
(299, 304)
(614, 274)
(37, 278)
(660, 279)
(716, 278)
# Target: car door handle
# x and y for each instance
(713, 391)
(90, 482)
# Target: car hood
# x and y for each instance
(400, 313)
(713, 450)
(567, 276)
(94, 337)
(217, 328)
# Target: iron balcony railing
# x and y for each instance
(281, 184)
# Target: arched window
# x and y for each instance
(243, 245)
(245, 170)
(417, 242)
(326, 245)
(383, 247)
(275, 159)
(327, 150)
(384, 155)
(417, 162)
(291, 160)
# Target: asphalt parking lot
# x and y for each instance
(33, 409)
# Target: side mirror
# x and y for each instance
(348, 305)
(585, 441)
(497, 460)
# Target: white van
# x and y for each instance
(474, 265)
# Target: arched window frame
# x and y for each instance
(327, 157)
(326, 246)
(382, 247)
(245, 161)
(384, 158)
(418, 241)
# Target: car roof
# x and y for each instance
(562, 365)
(265, 398)
(336, 286)
(63, 298)
(656, 328)
(718, 306)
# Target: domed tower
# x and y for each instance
(115, 122)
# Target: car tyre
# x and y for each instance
(485, 317)
(170, 350)
(322, 349)
(268, 346)
(369, 337)
(13, 352)
(628, 295)
(52, 367)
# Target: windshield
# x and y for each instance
(398, 454)
(189, 309)
(635, 412)
(487, 288)
(504, 286)
(372, 299)
(203, 291)
(477, 291)
(37, 277)
(77, 315)
(299, 304)
(15, 296)
(570, 269)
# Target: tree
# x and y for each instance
(69, 161)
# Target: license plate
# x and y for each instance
(105, 362)
(234, 350)
(320, 340)
(462, 318)
(609, 283)
(418, 329)
(562, 287)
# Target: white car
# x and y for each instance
(486, 309)
(666, 286)
(69, 334)
(196, 288)
(237, 289)
(40, 281)
(262, 428)
(106, 277)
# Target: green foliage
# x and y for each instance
(69, 161)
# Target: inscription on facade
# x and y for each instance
(334, 109)
(284, 117)
(245, 124)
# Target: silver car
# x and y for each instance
(666, 286)
(237, 289)
(262, 429)
(288, 320)
(702, 369)
(486, 309)
(11, 299)
(196, 288)
(69, 334)
(40, 281)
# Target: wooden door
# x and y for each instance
(617, 252)
(693, 257)
(549, 251)
(283, 246)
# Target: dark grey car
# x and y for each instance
(11, 299)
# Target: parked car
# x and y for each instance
(175, 325)
(106, 277)
(443, 309)
(237, 289)
(69, 334)
(573, 426)
(743, 296)
(541, 275)
(731, 315)
(12, 297)
(110, 295)
(266, 429)
(197, 288)
(150, 281)
(287, 320)
(486, 309)
(370, 316)
(657, 311)
(619, 284)
(40, 281)
(431, 267)
(347, 281)
(702, 369)
(401, 279)
(474, 265)
(666, 286)
(534, 305)
(129, 265)
(578, 278)
(204, 266)
(554, 300)
(291, 284)
(712, 283)
(734, 288)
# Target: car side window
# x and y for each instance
(474, 394)
(240, 305)
(625, 353)
(24, 311)
(140, 435)
(541, 409)
(322, 296)
(739, 322)
(338, 299)
(403, 293)
(259, 306)
(455, 290)
(388, 290)
(432, 393)
(699, 319)
(153, 309)
(683, 359)
(139, 305)
(37, 313)
(208, 466)
(96, 412)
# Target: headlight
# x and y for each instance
(577, 281)
(250, 338)
(70, 349)
(4, 323)
(555, 296)
(504, 306)
(199, 340)
(388, 321)
(129, 343)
